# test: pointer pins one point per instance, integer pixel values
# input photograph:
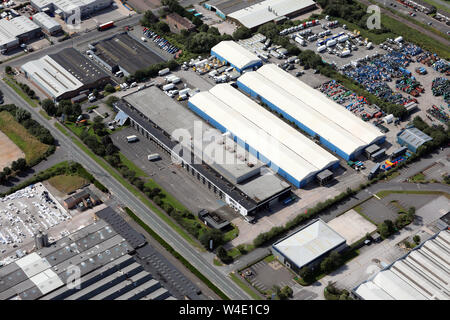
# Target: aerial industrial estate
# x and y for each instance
(224, 150)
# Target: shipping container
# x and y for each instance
(331, 43)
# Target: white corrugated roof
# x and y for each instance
(309, 243)
(285, 100)
(422, 274)
(360, 129)
(51, 75)
(235, 54)
(284, 133)
(254, 136)
(268, 10)
(46, 21)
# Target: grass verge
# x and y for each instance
(45, 115)
(245, 287)
(20, 92)
(385, 193)
(31, 146)
(130, 165)
(67, 183)
(186, 263)
(133, 190)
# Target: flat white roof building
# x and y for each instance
(67, 7)
(236, 55)
(308, 245)
(299, 103)
(269, 10)
(322, 104)
(267, 148)
(423, 274)
(16, 29)
(51, 76)
(277, 128)
(48, 24)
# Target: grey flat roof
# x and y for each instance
(79, 66)
(169, 115)
(414, 137)
(372, 148)
(230, 6)
(309, 243)
(324, 174)
(124, 51)
(264, 186)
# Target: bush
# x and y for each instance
(223, 255)
(211, 234)
(416, 239)
(109, 88)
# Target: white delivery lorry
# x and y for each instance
(132, 138)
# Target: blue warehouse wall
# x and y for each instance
(325, 142)
(247, 147)
(218, 56)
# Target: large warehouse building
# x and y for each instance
(17, 30)
(49, 25)
(308, 246)
(219, 163)
(270, 10)
(236, 55)
(253, 13)
(65, 74)
(423, 274)
(287, 151)
(338, 130)
(121, 52)
(66, 8)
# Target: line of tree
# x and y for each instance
(71, 110)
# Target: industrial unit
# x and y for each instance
(412, 138)
(236, 55)
(16, 31)
(308, 246)
(256, 192)
(270, 10)
(336, 128)
(292, 155)
(66, 8)
(48, 25)
(253, 13)
(122, 53)
(108, 253)
(178, 23)
(64, 74)
(422, 274)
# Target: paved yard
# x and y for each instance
(352, 226)
(377, 211)
(265, 275)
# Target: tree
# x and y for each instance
(19, 165)
(306, 273)
(7, 171)
(109, 88)
(8, 70)
(242, 33)
(223, 255)
(416, 239)
(22, 115)
(111, 100)
(49, 107)
(211, 234)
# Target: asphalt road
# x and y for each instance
(410, 24)
(124, 196)
(420, 16)
(79, 40)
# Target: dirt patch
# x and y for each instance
(9, 151)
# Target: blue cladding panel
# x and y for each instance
(248, 148)
(326, 143)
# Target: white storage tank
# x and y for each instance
(398, 39)
(343, 38)
(389, 118)
(163, 71)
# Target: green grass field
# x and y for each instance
(245, 287)
(130, 165)
(31, 146)
(66, 183)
